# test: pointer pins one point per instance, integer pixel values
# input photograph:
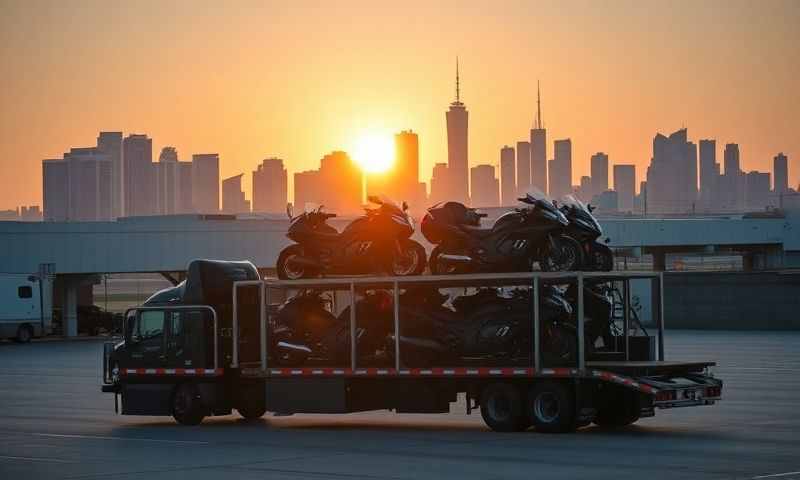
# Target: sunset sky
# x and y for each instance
(299, 79)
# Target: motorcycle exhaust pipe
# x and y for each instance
(455, 258)
(306, 262)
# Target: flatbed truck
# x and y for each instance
(203, 349)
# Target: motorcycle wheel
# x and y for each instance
(565, 255)
(602, 258)
(410, 261)
(288, 269)
(437, 267)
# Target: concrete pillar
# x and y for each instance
(659, 260)
(69, 319)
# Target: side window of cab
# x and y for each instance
(145, 336)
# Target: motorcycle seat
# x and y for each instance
(477, 231)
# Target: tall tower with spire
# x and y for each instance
(458, 146)
(539, 147)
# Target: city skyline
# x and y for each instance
(257, 108)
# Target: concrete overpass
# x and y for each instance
(75, 253)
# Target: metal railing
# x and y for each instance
(533, 280)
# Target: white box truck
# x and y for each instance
(21, 307)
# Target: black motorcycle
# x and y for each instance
(583, 227)
(516, 242)
(375, 243)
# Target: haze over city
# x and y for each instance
(260, 79)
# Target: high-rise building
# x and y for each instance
(406, 167)
(55, 190)
(233, 200)
(757, 190)
(561, 178)
(138, 175)
(508, 196)
(625, 186)
(185, 186)
(599, 172)
(307, 190)
(458, 146)
(110, 143)
(523, 167)
(584, 190)
(709, 174)
(89, 184)
(539, 148)
(440, 184)
(780, 171)
(485, 186)
(731, 191)
(342, 183)
(269, 186)
(205, 182)
(672, 174)
(167, 179)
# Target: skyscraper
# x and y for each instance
(233, 200)
(307, 189)
(523, 167)
(185, 199)
(485, 187)
(561, 177)
(780, 171)
(458, 146)
(110, 143)
(342, 183)
(757, 190)
(733, 183)
(709, 173)
(55, 190)
(138, 173)
(205, 183)
(625, 186)
(167, 179)
(440, 184)
(599, 172)
(539, 148)
(89, 184)
(406, 167)
(672, 174)
(269, 186)
(508, 195)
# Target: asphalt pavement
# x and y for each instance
(55, 423)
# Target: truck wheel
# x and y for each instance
(252, 404)
(621, 411)
(24, 334)
(551, 407)
(187, 406)
(502, 408)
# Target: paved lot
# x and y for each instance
(55, 423)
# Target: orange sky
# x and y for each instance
(299, 79)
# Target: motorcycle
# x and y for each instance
(583, 227)
(516, 242)
(377, 242)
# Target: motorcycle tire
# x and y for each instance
(565, 255)
(289, 271)
(412, 261)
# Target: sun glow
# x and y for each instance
(374, 153)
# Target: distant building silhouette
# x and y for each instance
(342, 182)
(440, 184)
(625, 186)
(30, 213)
(307, 189)
(205, 183)
(780, 171)
(732, 183)
(401, 182)
(77, 187)
(709, 174)
(523, 167)
(55, 190)
(598, 166)
(458, 147)
(110, 143)
(757, 190)
(167, 179)
(185, 188)
(561, 169)
(584, 190)
(539, 148)
(485, 186)
(233, 200)
(606, 202)
(139, 175)
(508, 196)
(672, 174)
(270, 186)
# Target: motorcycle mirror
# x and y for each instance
(289, 211)
(591, 208)
(405, 206)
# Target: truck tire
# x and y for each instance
(623, 410)
(502, 408)
(24, 334)
(252, 404)
(187, 406)
(551, 407)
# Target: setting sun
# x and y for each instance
(374, 153)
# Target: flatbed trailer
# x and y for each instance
(615, 391)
